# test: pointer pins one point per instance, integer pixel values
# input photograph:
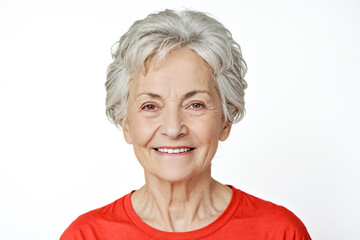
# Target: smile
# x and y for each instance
(174, 150)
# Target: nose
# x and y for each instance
(173, 123)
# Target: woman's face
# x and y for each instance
(174, 117)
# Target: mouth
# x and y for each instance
(174, 150)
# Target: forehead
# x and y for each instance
(181, 69)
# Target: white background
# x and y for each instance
(298, 146)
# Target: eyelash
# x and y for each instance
(147, 106)
(202, 106)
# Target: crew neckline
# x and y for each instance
(195, 234)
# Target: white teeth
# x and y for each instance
(172, 150)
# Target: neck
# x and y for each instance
(180, 206)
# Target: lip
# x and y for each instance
(174, 154)
(174, 147)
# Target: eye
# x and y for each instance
(149, 107)
(197, 106)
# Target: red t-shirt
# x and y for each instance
(247, 217)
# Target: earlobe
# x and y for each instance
(125, 127)
(225, 132)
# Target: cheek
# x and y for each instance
(141, 130)
(207, 129)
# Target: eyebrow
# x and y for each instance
(185, 96)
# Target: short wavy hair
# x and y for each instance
(163, 32)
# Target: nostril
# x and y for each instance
(181, 134)
(173, 131)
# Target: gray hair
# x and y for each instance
(159, 34)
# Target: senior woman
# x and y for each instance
(175, 87)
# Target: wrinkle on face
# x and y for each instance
(182, 78)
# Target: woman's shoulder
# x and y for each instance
(90, 222)
(263, 208)
(268, 216)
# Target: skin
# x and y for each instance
(176, 105)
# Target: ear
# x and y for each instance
(126, 130)
(225, 132)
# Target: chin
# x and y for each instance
(174, 175)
